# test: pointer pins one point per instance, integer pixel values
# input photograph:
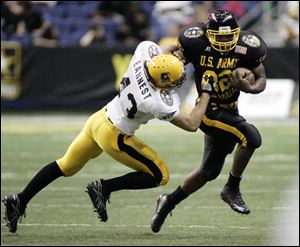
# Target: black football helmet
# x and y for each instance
(222, 30)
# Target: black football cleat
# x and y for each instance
(163, 208)
(98, 198)
(234, 199)
(13, 212)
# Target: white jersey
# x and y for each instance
(138, 101)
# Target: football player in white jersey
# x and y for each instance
(145, 93)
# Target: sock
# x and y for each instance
(45, 176)
(233, 181)
(177, 196)
(130, 181)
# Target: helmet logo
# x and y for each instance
(166, 97)
(225, 29)
(165, 76)
(251, 40)
(193, 32)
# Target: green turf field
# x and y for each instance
(62, 213)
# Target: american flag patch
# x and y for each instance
(241, 49)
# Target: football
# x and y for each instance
(243, 73)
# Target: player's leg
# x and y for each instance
(15, 204)
(150, 170)
(131, 151)
(231, 191)
(231, 126)
(79, 152)
(225, 129)
(215, 152)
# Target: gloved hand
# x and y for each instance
(207, 84)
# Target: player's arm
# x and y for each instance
(192, 121)
(253, 82)
(260, 80)
(177, 51)
(256, 56)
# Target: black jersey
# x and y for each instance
(249, 52)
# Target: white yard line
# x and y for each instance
(138, 226)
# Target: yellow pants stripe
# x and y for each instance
(226, 127)
(132, 152)
(100, 134)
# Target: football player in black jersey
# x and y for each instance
(216, 49)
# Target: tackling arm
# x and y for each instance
(191, 122)
(177, 52)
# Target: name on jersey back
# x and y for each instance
(143, 86)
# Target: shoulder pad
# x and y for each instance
(148, 48)
(192, 32)
(252, 46)
(193, 38)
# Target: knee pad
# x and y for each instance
(252, 135)
(214, 159)
(255, 141)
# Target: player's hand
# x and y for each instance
(242, 79)
(207, 85)
(179, 54)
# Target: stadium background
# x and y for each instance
(70, 54)
(62, 60)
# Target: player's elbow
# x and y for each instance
(186, 123)
(258, 87)
(192, 127)
(189, 127)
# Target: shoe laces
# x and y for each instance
(238, 197)
(16, 213)
(100, 200)
(166, 209)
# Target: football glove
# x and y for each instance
(207, 85)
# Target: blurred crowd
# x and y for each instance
(88, 23)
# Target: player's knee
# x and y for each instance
(256, 144)
(255, 140)
(210, 174)
(214, 162)
(164, 176)
(165, 179)
(67, 170)
(228, 148)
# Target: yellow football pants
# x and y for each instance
(100, 134)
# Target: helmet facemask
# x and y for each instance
(222, 31)
(223, 40)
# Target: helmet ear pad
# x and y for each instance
(165, 71)
(222, 30)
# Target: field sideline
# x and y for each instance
(62, 213)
